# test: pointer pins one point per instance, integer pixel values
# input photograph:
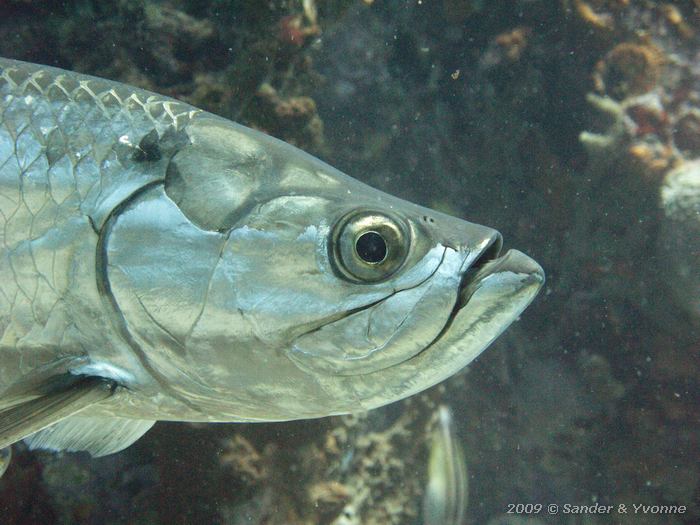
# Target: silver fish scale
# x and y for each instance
(66, 146)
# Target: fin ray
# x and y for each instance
(97, 435)
(27, 417)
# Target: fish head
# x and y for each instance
(322, 295)
(405, 297)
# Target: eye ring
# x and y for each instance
(368, 246)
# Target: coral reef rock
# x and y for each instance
(679, 241)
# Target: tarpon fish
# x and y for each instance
(158, 262)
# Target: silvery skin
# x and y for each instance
(210, 272)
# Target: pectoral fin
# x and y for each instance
(29, 416)
(97, 435)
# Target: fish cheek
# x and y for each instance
(387, 333)
(273, 280)
(257, 297)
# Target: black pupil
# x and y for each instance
(371, 247)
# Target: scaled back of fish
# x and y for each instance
(160, 263)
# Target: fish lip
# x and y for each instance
(513, 261)
(475, 265)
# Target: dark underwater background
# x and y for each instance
(556, 122)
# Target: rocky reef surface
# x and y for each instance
(572, 126)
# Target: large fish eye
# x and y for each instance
(369, 246)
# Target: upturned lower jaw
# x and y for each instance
(494, 296)
(490, 265)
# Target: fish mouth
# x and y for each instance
(493, 291)
(489, 265)
(485, 259)
(500, 277)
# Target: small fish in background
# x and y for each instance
(5, 458)
(447, 491)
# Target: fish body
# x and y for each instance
(158, 262)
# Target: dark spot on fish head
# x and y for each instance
(148, 149)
